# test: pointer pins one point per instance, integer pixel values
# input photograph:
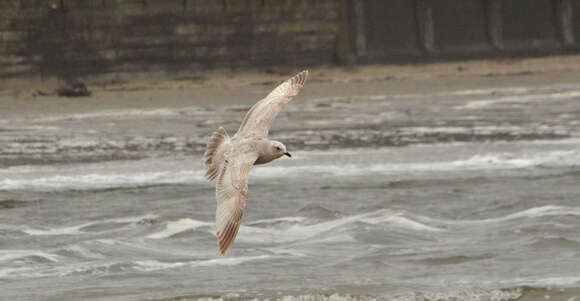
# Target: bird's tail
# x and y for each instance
(211, 151)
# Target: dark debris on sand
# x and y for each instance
(74, 89)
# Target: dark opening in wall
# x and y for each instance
(576, 21)
(460, 26)
(391, 28)
(529, 25)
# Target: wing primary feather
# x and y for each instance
(231, 194)
(226, 241)
(227, 238)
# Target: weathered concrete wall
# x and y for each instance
(74, 37)
(427, 29)
(70, 38)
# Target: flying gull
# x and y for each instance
(231, 159)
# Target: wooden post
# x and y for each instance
(564, 17)
(346, 46)
(359, 16)
(495, 23)
(425, 24)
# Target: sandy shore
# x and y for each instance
(21, 98)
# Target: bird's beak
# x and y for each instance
(288, 154)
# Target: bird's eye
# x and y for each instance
(277, 148)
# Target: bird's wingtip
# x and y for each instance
(300, 78)
(223, 249)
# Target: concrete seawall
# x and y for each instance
(72, 38)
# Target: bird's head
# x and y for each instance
(279, 149)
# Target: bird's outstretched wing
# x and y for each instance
(259, 118)
(231, 195)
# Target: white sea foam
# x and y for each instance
(83, 252)
(385, 217)
(10, 255)
(533, 212)
(105, 180)
(477, 162)
(336, 227)
(230, 260)
(469, 92)
(397, 219)
(474, 92)
(299, 231)
(78, 229)
(537, 212)
(72, 230)
(488, 130)
(538, 282)
(30, 127)
(285, 219)
(544, 211)
(572, 281)
(474, 294)
(293, 233)
(520, 99)
(250, 233)
(509, 91)
(153, 265)
(17, 271)
(179, 226)
(112, 113)
(511, 160)
(167, 172)
(515, 91)
(448, 295)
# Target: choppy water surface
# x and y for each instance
(463, 195)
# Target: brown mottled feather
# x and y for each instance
(211, 152)
(231, 195)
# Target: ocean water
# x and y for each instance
(462, 195)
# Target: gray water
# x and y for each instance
(459, 195)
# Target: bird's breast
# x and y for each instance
(263, 160)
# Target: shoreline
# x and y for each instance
(246, 87)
